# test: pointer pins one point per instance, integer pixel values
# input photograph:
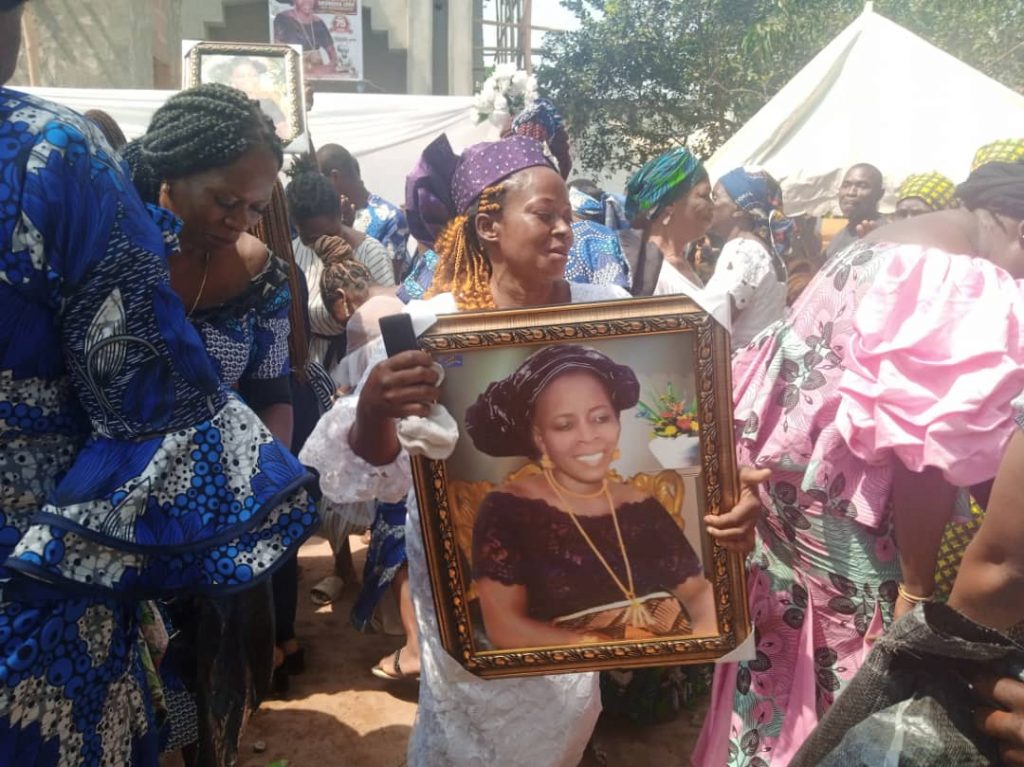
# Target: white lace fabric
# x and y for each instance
(463, 720)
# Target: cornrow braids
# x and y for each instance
(331, 249)
(303, 163)
(463, 268)
(310, 193)
(347, 275)
(273, 230)
(199, 129)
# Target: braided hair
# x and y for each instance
(331, 249)
(199, 129)
(346, 275)
(463, 267)
(310, 193)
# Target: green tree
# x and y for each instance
(640, 76)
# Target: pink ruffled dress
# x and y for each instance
(894, 353)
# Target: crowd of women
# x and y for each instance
(182, 336)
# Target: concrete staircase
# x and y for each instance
(392, 18)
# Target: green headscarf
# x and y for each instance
(661, 182)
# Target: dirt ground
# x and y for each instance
(337, 713)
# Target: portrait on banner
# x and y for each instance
(329, 32)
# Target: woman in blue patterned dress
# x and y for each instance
(129, 471)
(211, 156)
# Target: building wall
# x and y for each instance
(384, 68)
(137, 43)
(89, 44)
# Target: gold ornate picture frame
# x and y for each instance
(517, 552)
(270, 74)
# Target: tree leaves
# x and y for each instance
(641, 76)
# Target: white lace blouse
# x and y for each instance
(462, 721)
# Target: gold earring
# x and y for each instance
(616, 454)
(546, 463)
(667, 220)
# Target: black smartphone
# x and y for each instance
(398, 334)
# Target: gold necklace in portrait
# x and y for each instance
(636, 615)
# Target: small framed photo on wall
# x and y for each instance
(269, 74)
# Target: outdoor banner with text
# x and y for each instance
(329, 31)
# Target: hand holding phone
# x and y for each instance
(406, 383)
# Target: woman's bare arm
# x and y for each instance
(990, 585)
(400, 386)
(279, 419)
(699, 598)
(507, 623)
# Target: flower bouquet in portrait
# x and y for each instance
(674, 428)
(506, 93)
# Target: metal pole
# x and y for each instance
(28, 38)
(525, 37)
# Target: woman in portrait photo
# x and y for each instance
(252, 76)
(570, 554)
(301, 26)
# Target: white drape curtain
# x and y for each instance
(386, 133)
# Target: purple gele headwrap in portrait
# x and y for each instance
(444, 185)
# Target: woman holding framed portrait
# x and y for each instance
(571, 554)
(502, 225)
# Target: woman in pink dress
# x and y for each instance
(887, 387)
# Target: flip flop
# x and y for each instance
(399, 676)
(327, 591)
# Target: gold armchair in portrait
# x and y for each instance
(666, 487)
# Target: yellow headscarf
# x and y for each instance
(936, 190)
(1004, 150)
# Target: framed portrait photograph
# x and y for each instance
(565, 532)
(269, 74)
(329, 34)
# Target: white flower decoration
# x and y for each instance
(506, 93)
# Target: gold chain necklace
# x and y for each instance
(560, 488)
(310, 35)
(636, 615)
(202, 285)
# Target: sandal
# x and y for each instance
(327, 591)
(399, 676)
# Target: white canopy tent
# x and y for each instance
(877, 94)
(386, 133)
